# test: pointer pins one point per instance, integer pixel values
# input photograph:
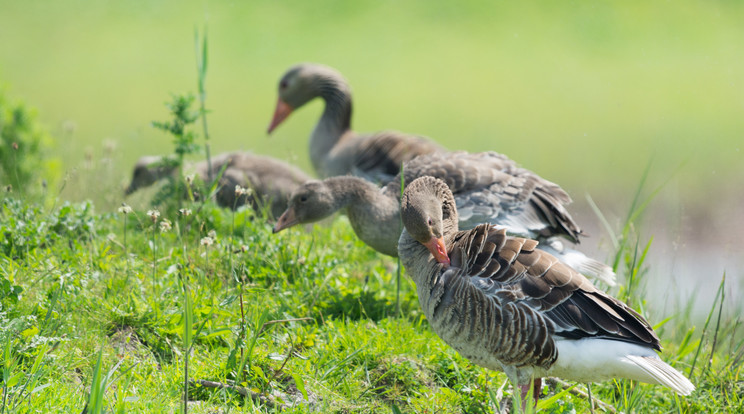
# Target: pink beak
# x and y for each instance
(282, 111)
(286, 220)
(439, 250)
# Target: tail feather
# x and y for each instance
(663, 373)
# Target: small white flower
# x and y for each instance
(165, 226)
(125, 209)
(212, 234)
(207, 241)
(239, 191)
(243, 248)
(185, 211)
(189, 179)
(154, 214)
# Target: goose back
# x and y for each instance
(271, 181)
(491, 188)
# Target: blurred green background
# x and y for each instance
(584, 93)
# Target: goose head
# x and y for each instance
(148, 170)
(310, 202)
(429, 215)
(301, 84)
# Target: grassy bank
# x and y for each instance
(298, 322)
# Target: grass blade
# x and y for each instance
(719, 296)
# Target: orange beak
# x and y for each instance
(281, 113)
(286, 221)
(438, 250)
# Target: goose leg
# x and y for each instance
(536, 386)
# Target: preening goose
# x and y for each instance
(488, 187)
(505, 305)
(270, 180)
(334, 148)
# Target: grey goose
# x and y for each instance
(335, 149)
(270, 180)
(506, 305)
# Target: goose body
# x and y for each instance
(506, 305)
(487, 186)
(270, 180)
(335, 149)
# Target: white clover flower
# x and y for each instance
(165, 226)
(239, 191)
(125, 209)
(212, 234)
(207, 241)
(154, 214)
(185, 211)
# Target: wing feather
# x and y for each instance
(491, 188)
(542, 296)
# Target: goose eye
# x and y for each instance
(283, 84)
(303, 199)
(430, 221)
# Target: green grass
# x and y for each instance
(316, 331)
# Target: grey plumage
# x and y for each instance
(488, 186)
(506, 305)
(335, 149)
(270, 180)
(373, 214)
(491, 188)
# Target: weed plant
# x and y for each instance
(22, 142)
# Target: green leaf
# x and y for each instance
(13, 381)
(547, 402)
(300, 384)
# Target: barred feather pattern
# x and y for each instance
(506, 305)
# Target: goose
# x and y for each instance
(270, 180)
(335, 149)
(489, 188)
(505, 305)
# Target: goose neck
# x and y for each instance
(335, 120)
(374, 215)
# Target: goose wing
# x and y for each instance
(534, 298)
(378, 157)
(490, 188)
